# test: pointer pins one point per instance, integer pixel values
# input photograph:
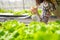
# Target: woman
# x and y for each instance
(47, 6)
(34, 10)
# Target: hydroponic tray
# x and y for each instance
(12, 15)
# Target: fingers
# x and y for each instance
(33, 9)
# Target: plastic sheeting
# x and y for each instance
(16, 4)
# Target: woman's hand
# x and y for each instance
(34, 10)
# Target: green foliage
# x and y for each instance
(6, 11)
(14, 30)
(2, 11)
(21, 12)
(40, 11)
(10, 11)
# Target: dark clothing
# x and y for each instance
(46, 8)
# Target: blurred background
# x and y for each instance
(16, 4)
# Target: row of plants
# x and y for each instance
(14, 30)
(6, 11)
(28, 12)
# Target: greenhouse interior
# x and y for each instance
(29, 20)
